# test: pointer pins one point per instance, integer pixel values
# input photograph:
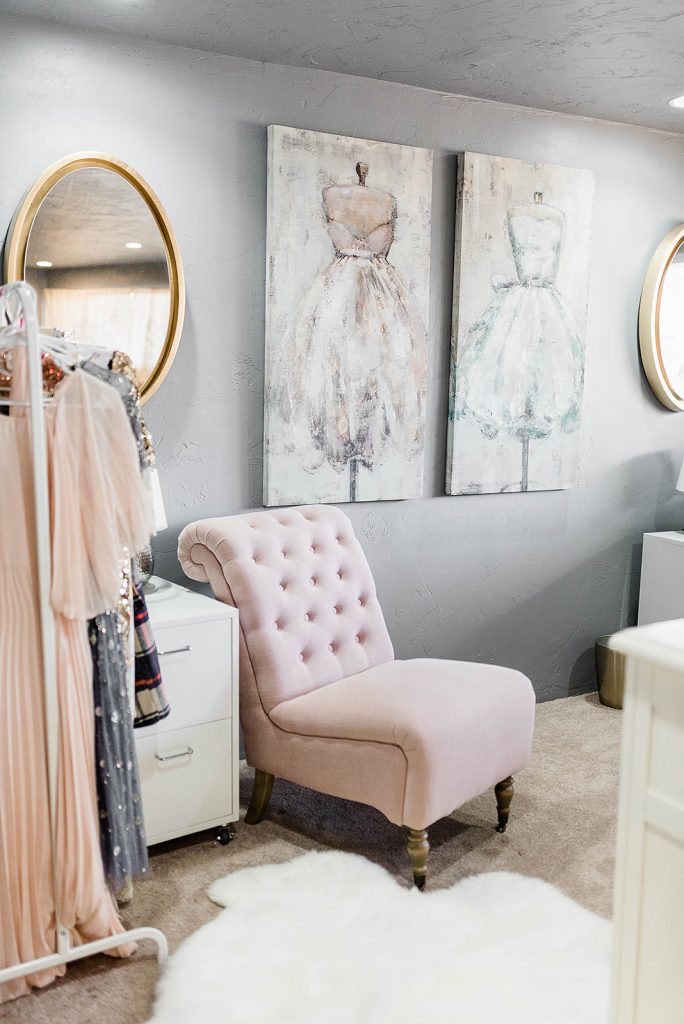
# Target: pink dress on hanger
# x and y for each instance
(98, 504)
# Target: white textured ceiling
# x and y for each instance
(615, 59)
(86, 220)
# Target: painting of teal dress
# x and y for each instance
(518, 372)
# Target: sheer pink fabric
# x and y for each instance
(99, 504)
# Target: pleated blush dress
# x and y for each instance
(98, 504)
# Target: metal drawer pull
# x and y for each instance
(172, 757)
(175, 650)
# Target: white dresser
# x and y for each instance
(648, 953)
(189, 761)
(661, 594)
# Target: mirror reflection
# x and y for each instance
(671, 322)
(97, 260)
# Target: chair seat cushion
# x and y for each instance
(462, 726)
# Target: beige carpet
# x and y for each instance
(562, 829)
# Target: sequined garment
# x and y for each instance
(122, 829)
(129, 396)
(123, 364)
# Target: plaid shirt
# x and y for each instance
(151, 704)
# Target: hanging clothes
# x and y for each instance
(151, 705)
(151, 702)
(122, 828)
(122, 832)
(98, 504)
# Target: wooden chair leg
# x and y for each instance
(261, 794)
(418, 849)
(504, 795)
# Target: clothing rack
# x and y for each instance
(19, 326)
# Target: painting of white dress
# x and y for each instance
(523, 237)
(348, 244)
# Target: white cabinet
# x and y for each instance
(189, 760)
(648, 954)
(661, 595)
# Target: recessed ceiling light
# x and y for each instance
(134, 245)
(43, 263)
(677, 102)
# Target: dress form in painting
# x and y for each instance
(351, 384)
(360, 220)
(521, 368)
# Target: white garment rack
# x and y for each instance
(19, 326)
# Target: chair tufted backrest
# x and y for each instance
(309, 613)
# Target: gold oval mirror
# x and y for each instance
(661, 321)
(96, 244)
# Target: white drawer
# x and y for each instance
(195, 661)
(186, 778)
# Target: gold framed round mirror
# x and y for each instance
(661, 321)
(97, 245)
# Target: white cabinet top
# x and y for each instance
(661, 643)
(668, 536)
(169, 604)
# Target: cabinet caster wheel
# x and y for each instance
(224, 835)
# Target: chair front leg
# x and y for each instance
(261, 794)
(504, 794)
(418, 849)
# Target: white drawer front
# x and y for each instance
(195, 662)
(186, 778)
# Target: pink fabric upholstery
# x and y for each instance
(370, 773)
(462, 727)
(308, 609)
(322, 703)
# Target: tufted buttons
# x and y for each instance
(357, 639)
(336, 610)
(338, 575)
(276, 625)
(313, 581)
(331, 647)
(301, 657)
(338, 540)
(306, 616)
(360, 602)
(282, 587)
(283, 555)
(312, 549)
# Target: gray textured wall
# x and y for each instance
(528, 580)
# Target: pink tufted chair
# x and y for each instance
(324, 704)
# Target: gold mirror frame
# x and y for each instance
(20, 228)
(649, 320)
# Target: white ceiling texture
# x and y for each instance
(616, 59)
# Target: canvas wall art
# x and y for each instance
(523, 238)
(347, 287)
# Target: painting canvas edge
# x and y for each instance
(453, 330)
(268, 350)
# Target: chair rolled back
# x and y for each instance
(308, 609)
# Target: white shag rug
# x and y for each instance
(330, 938)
